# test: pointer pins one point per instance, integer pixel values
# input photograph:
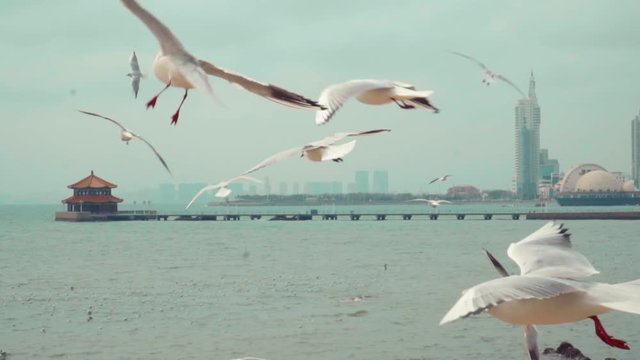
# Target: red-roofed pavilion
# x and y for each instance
(92, 194)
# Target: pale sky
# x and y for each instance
(59, 56)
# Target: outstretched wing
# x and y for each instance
(135, 85)
(334, 96)
(202, 191)
(477, 62)
(268, 91)
(164, 163)
(106, 118)
(275, 158)
(548, 252)
(169, 43)
(510, 83)
(133, 61)
(493, 292)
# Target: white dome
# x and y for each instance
(598, 180)
(629, 186)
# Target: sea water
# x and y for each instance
(279, 290)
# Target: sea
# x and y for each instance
(281, 290)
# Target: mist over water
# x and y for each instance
(277, 290)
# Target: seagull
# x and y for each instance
(321, 150)
(490, 76)
(175, 66)
(135, 74)
(432, 203)
(127, 135)
(372, 92)
(547, 291)
(441, 178)
(223, 188)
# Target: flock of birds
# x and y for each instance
(546, 291)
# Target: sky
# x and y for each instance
(61, 56)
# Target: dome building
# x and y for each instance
(593, 185)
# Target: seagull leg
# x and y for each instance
(174, 117)
(402, 104)
(531, 338)
(608, 339)
(337, 160)
(152, 103)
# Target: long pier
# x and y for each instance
(353, 216)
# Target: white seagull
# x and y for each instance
(223, 188)
(175, 66)
(490, 76)
(441, 178)
(432, 203)
(135, 74)
(126, 135)
(372, 92)
(548, 291)
(321, 150)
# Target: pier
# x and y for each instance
(146, 215)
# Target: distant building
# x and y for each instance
(167, 193)
(549, 168)
(527, 134)
(93, 195)
(296, 188)
(236, 188)
(635, 150)
(362, 181)
(592, 185)
(186, 191)
(284, 188)
(381, 181)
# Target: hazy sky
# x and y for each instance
(59, 56)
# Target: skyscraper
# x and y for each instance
(635, 150)
(380, 181)
(527, 133)
(362, 181)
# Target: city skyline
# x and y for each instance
(527, 144)
(585, 77)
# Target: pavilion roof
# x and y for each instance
(87, 199)
(92, 181)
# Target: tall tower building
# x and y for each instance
(635, 150)
(527, 133)
(380, 181)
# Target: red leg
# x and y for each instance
(152, 102)
(608, 339)
(174, 117)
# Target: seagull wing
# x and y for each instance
(269, 91)
(106, 118)
(334, 96)
(202, 191)
(155, 152)
(133, 61)
(470, 58)
(275, 158)
(510, 83)
(245, 178)
(493, 292)
(434, 180)
(548, 252)
(419, 200)
(135, 84)
(190, 68)
(169, 43)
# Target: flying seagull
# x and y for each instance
(175, 66)
(548, 289)
(441, 178)
(372, 92)
(432, 203)
(127, 135)
(489, 75)
(135, 74)
(223, 187)
(321, 150)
